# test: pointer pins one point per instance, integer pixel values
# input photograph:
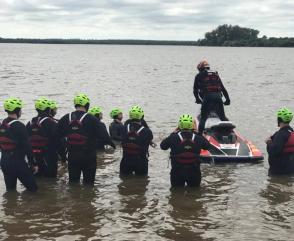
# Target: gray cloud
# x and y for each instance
(153, 19)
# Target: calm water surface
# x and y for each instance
(234, 202)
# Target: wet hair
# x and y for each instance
(85, 106)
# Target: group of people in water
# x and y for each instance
(77, 136)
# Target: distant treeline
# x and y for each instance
(90, 41)
(223, 35)
(228, 35)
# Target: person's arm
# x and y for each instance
(276, 146)
(101, 133)
(196, 89)
(225, 93)
(24, 143)
(166, 143)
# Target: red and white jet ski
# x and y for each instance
(226, 144)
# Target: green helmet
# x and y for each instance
(42, 104)
(115, 112)
(186, 122)
(53, 104)
(285, 115)
(81, 99)
(12, 103)
(95, 110)
(136, 112)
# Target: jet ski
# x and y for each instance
(227, 145)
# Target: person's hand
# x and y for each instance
(227, 102)
(35, 169)
(153, 144)
(198, 101)
(268, 140)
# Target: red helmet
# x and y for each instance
(203, 64)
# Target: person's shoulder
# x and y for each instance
(66, 116)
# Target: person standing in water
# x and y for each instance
(98, 113)
(280, 146)
(116, 126)
(185, 146)
(208, 90)
(15, 146)
(135, 143)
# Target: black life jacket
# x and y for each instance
(289, 146)
(186, 148)
(76, 136)
(132, 146)
(37, 136)
(211, 82)
(7, 142)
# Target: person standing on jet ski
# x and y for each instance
(208, 91)
(280, 146)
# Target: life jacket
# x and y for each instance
(76, 136)
(132, 146)
(7, 142)
(186, 147)
(211, 82)
(289, 146)
(37, 136)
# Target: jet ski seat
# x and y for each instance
(223, 132)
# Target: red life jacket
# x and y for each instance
(37, 137)
(187, 156)
(76, 136)
(289, 146)
(7, 142)
(211, 82)
(132, 146)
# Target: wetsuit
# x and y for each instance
(42, 132)
(185, 149)
(82, 131)
(14, 144)
(116, 130)
(281, 152)
(135, 142)
(100, 142)
(208, 90)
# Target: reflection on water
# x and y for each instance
(234, 202)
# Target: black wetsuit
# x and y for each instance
(116, 130)
(208, 90)
(185, 157)
(82, 132)
(100, 142)
(13, 162)
(135, 142)
(46, 146)
(279, 162)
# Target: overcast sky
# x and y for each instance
(134, 19)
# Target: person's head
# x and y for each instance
(284, 116)
(96, 111)
(82, 101)
(53, 108)
(42, 106)
(116, 113)
(203, 64)
(13, 106)
(136, 113)
(185, 122)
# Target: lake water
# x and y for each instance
(235, 202)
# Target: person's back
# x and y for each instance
(81, 131)
(135, 143)
(42, 131)
(116, 126)
(185, 146)
(14, 144)
(208, 90)
(280, 146)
